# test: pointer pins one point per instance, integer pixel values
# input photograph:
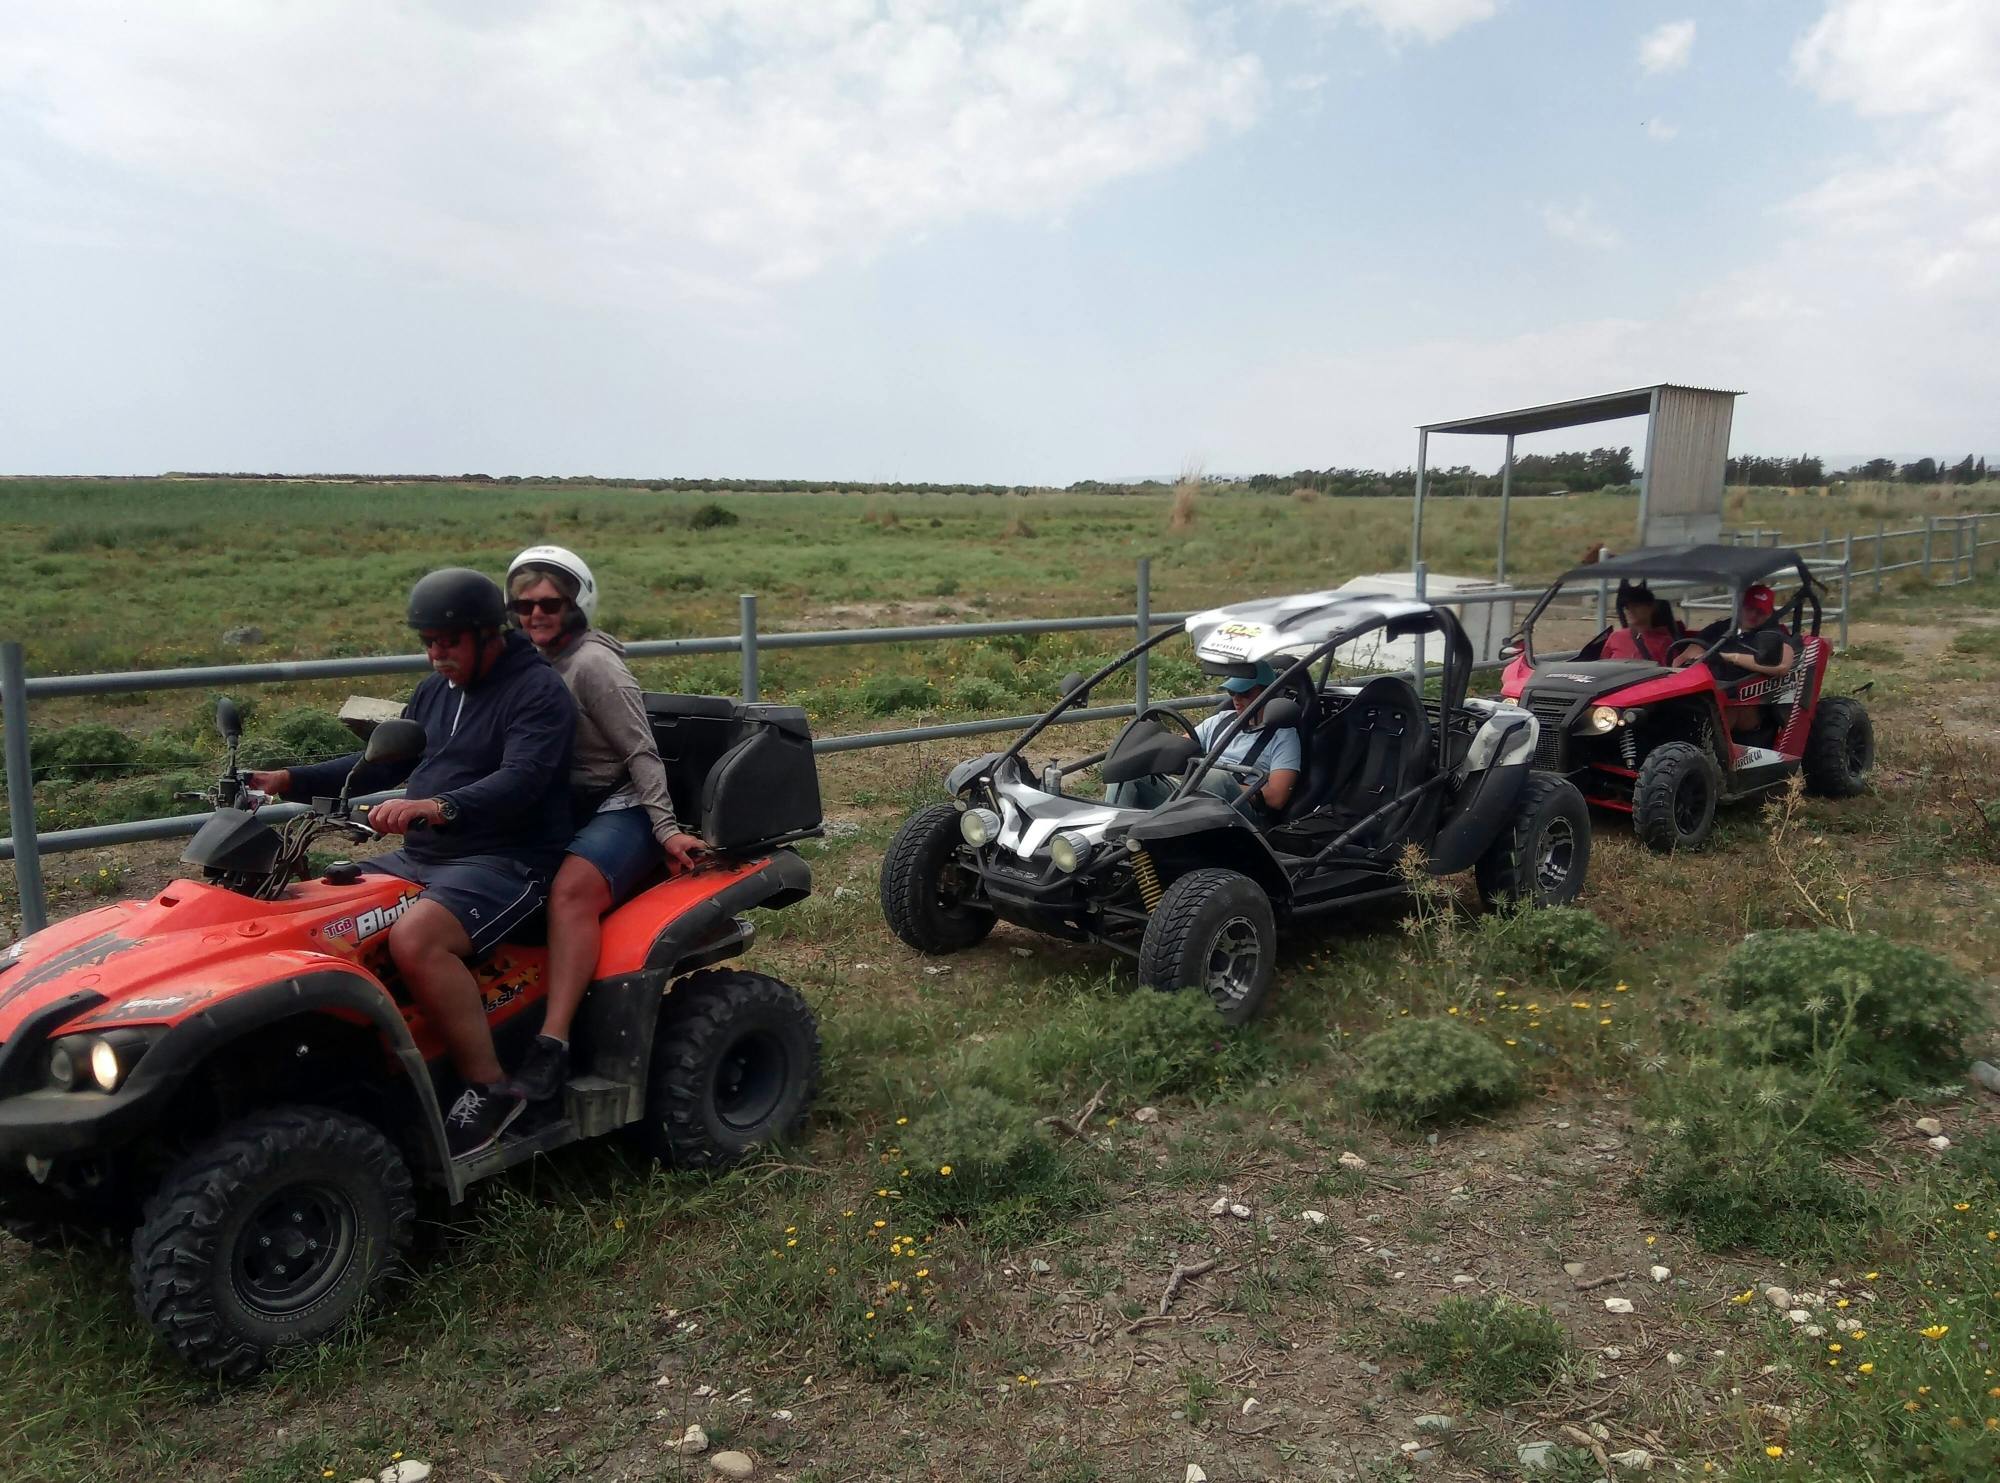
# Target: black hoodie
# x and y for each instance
(499, 749)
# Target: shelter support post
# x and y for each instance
(21, 789)
(748, 639)
(1506, 497)
(1417, 507)
(1143, 617)
(1421, 573)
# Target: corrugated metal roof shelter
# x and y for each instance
(1680, 484)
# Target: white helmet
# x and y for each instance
(570, 565)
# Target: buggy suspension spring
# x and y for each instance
(1628, 744)
(1148, 877)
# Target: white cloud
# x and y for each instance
(708, 144)
(1578, 223)
(1660, 131)
(1420, 20)
(1667, 48)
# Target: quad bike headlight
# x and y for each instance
(979, 827)
(1598, 720)
(105, 1068)
(63, 1067)
(102, 1062)
(1069, 850)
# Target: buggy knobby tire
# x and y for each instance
(1840, 748)
(1542, 852)
(1214, 931)
(273, 1234)
(923, 898)
(735, 1066)
(1675, 797)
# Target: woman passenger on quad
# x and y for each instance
(1276, 752)
(618, 792)
(1647, 634)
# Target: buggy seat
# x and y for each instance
(1376, 747)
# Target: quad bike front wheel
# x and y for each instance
(735, 1066)
(271, 1235)
(1840, 748)
(1675, 797)
(924, 896)
(1542, 853)
(1214, 931)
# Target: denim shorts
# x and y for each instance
(489, 895)
(620, 844)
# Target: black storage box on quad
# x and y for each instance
(741, 774)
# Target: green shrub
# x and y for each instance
(1563, 943)
(1489, 1351)
(1899, 1015)
(301, 734)
(884, 695)
(84, 753)
(975, 693)
(983, 1158)
(711, 516)
(1423, 1070)
(1739, 1157)
(1142, 1044)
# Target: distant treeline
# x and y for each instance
(1534, 473)
(1808, 470)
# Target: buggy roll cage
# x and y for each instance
(1692, 565)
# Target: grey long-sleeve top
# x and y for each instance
(614, 741)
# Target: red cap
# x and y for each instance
(1760, 600)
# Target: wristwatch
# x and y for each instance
(447, 811)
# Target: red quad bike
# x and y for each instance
(1656, 741)
(232, 1075)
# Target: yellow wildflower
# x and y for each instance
(1868, 1369)
(1936, 1331)
(1774, 1451)
(945, 1170)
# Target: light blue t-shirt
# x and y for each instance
(1282, 755)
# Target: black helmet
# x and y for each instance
(457, 598)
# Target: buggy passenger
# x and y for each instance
(1274, 749)
(1648, 632)
(618, 793)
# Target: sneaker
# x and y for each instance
(479, 1117)
(542, 1071)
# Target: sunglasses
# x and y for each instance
(548, 607)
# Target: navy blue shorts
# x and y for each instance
(620, 844)
(490, 895)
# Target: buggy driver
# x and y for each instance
(1275, 749)
(486, 820)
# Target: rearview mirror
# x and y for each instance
(1282, 712)
(1510, 651)
(1071, 683)
(228, 720)
(395, 741)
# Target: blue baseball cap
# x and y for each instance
(1244, 684)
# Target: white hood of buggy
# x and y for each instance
(1245, 632)
(1029, 818)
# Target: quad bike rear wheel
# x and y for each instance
(1840, 748)
(924, 896)
(271, 1235)
(1214, 931)
(1542, 853)
(735, 1066)
(1675, 797)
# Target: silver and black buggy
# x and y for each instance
(1197, 887)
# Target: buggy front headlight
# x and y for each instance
(1598, 720)
(979, 827)
(1069, 849)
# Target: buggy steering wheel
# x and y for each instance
(1155, 714)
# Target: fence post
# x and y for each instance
(748, 640)
(1603, 602)
(1881, 528)
(1958, 550)
(1930, 535)
(1141, 690)
(1972, 551)
(1422, 575)
(21, 790)
(1846, 584)
(1825, 538)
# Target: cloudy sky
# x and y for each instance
(941, 239)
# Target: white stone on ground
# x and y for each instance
(1313, 1217)
(1573, 1269)
(1940, 1144)
(732, 1464)
(1220, 1207)
(1146, 1115)
(1241, 1212)
(1618, 1305)
(1778, 1297)
(691, 1442)
(1351, 1160)
(1251, 1405)
(1536, 1457)
(1638, 1459)
(1660, 1274)
(409, 1470)
(1195, 1474)
(1930, 1127)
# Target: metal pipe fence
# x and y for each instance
(1832, 559)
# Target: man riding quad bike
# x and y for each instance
(1196, 886)
(235, 1067)
(1733, 710)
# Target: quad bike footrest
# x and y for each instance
(592, 1106)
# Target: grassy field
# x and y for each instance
(1497, 1263)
